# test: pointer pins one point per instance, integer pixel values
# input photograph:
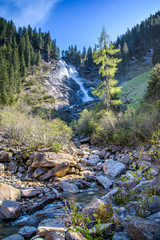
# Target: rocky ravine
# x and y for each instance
(34, 184)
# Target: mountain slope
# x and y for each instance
(133, 90)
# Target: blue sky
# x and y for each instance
(78, 21)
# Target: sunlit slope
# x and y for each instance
(134, 89)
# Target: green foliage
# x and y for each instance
(144, 195)
(79, 223)
(18, 52)
(131, 127)
(24, 129)
(153, 89)
(105, 58)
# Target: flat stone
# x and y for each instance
(50, 159)
(59, 171)
(154, 217)
(110, 194)
(104, 181)
(14, 237)
(113, 168)
(70, 235)
(69, 187)
(30, 192)
(51, 224)
(54, 236)
(102, 154)
(27, 231)
(39, 171)
(8, 192)
(11, 209)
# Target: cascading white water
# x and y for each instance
(71, 72)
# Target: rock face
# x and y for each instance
(8, 192)
(69, 187)
(104, 181)
(140, 229)
(50, 159)
(113, 168)
(11, 209)
(52, 224)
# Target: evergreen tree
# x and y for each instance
(104, 56)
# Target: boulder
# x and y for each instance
(107, 230)
(27, 232)
(125, 160)
(11, 209)
(50, 159)
(104, 181)
(110, 194)
(54, 236)
(13, 166)
(154, 217)
(70, 235)
(37, 237)
(8, 192)
(113, 168)
(14, 237)
(1, 169)
(30, 192)
(139, 228)
(121, 236)
(51, 224)
(69, 187)
(102, 154)
(94, 158)
(90, 209)
(59, 171)
(39, 171)
(154, 204)
(4, 157)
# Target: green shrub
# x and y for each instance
(30, 131)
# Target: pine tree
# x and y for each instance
(104, 56)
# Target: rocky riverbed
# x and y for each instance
(35, 186)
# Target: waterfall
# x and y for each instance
(70, 72)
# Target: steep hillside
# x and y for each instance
(133, 90)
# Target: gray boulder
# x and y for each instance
(54, 236)
(30, 192)
(69, 187)
(13, 166)
(71, 235)
(11, 209)
(104, 181)
(27, 232)
(50, 159)
(51, 224)
(14, 237)
(142, 229)
(39, 171)
(8, 192)
(92, 208)
(59, 171)
(113, 168)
